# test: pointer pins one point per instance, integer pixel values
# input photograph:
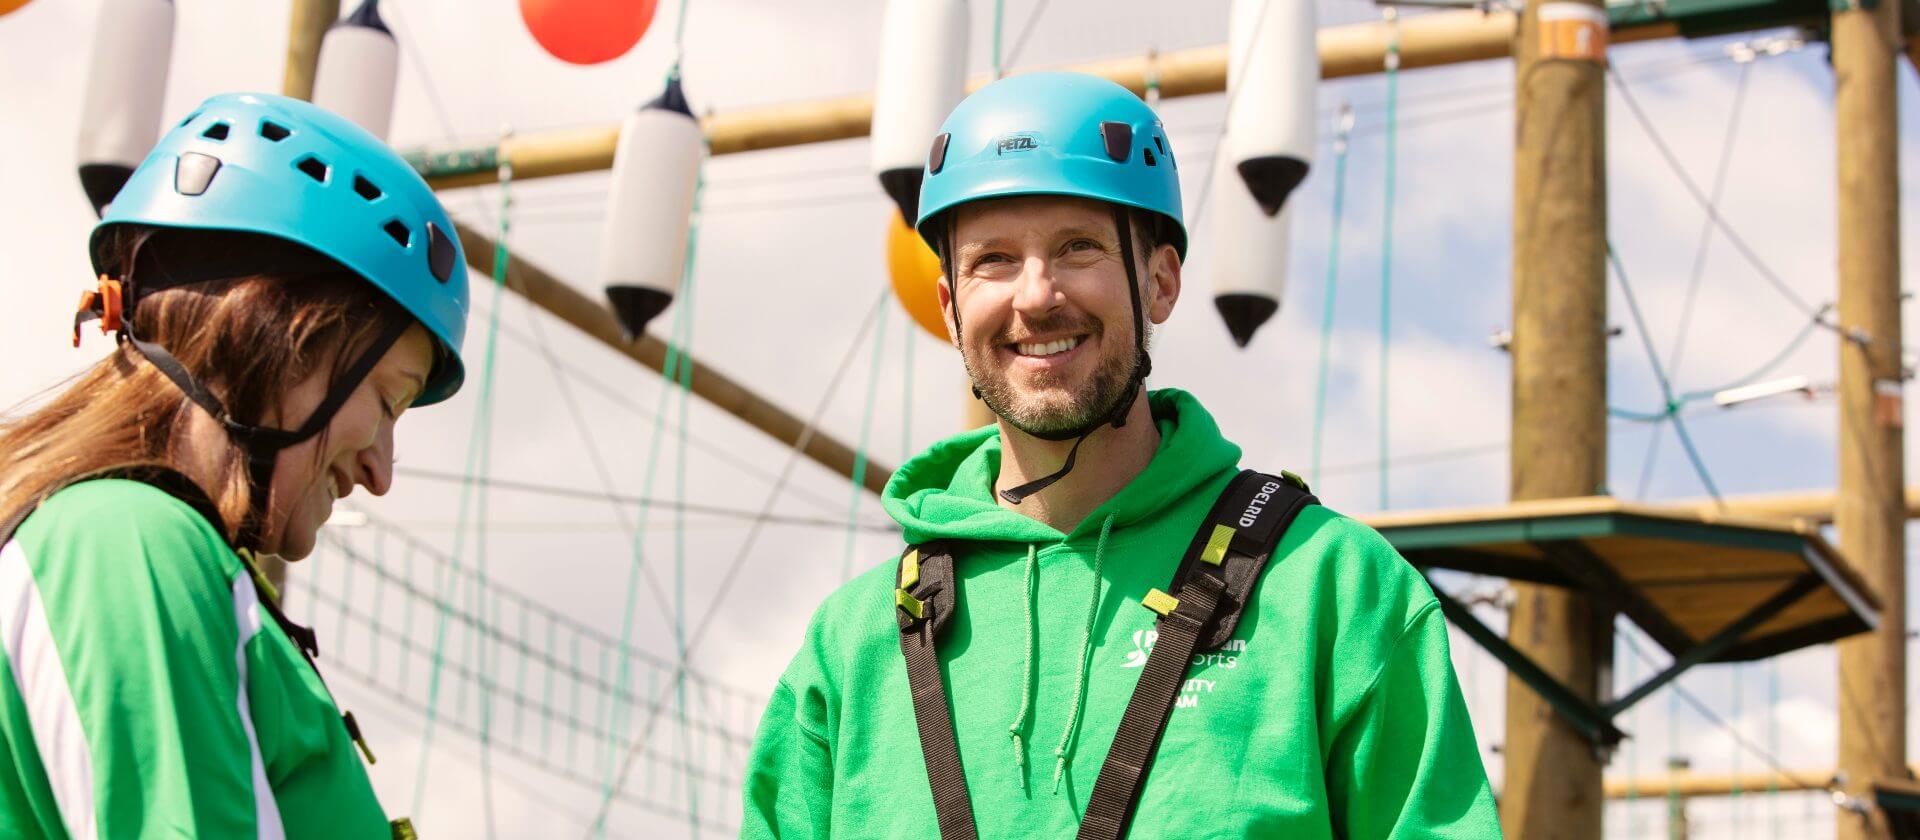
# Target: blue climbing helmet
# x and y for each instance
(1065, 134)
(283, 168)
(1069, 134)
(288, 184)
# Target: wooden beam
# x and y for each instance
(1359, 49)
(308, 24)
(1693, 785)
(1812, 506)
(1870, 511)
(722, 392)
(1559, 445)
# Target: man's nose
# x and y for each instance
(1036, 293)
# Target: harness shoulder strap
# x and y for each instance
(1211, 588)
(924, 602)
(1209, 591)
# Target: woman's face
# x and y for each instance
(355, 449)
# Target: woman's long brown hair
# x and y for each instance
(248, 338)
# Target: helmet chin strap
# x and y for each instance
(1115, 414)
(261, 443)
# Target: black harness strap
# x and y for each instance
(923, 605)
(1210, 590)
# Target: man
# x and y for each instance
(1331, 711)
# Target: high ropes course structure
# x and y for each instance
(1597, 607)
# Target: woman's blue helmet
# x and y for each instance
(1069, 134)
(284, 168)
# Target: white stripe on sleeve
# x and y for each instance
(246, 615)
(42, 681)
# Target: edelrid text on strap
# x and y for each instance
(1198, 614)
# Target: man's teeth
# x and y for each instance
(1047, 348)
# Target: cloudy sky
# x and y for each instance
(788, 276)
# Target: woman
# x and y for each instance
(283, 287)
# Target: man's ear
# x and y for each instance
(944, 290)
(1163, 283)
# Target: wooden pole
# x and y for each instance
(1870, 511)
(1358, 49)
(307, 26)
(1559, 445)
(590, 317)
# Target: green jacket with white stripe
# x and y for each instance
(146, 692)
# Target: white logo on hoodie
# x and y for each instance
(1228, 656)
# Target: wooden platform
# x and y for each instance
(1686, 578)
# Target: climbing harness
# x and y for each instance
(1198, 614)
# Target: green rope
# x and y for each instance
(685, 377)
(476, 449)
(546, 699)
(1386, 238)
(379, 598)
(1773, 742)
(860, 448)
(906, 391)
(999, 15)
(1733, 792)
(1659, 373)
(677, 373)
(1343, 128)
(1689, 397)
(1673, 791)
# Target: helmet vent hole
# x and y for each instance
(1159, 144)
(398, 230)
(1118, 138)
(190, 118)
(217, 131)
(313, 167)
(273, 131)
(441, 254)
(365, 188)
(1146, 154)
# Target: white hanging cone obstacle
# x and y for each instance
(126, 88)
(358, 68)
(1249, 258)
(1273, 71)
(923, 75)
(643, 249)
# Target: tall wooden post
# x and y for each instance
(309, 23)
(307, 26)
(1553, 785)
(1869, 511)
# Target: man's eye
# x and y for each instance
(1082, 245)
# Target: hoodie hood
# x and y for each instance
(947, 491)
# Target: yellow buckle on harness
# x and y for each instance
(914, 606)
(910, 569)
(1216, 551)
(1160, 602)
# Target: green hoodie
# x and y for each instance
(1333, 712)
(146, 692)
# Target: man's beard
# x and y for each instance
(1053, 414)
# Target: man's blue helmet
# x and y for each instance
(1067, 134)
(284, 168)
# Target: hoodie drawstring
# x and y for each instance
(1026, 679)
(1067, 735)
